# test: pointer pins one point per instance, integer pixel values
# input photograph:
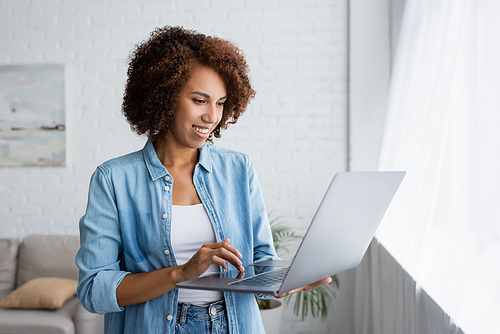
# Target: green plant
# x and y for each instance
(314, 301)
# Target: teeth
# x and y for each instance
(200, 130)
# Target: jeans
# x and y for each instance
(209, 319)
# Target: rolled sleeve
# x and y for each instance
(105, 282)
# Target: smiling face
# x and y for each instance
(199, 109)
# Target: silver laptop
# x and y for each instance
(338, 237)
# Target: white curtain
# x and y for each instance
(387, 300)
(443, 128)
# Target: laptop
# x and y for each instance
(336, 240)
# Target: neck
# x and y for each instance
(170, 154)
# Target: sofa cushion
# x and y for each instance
(41, 293)
(47, 256)
(40, 321)
(8, 258)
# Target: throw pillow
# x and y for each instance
(41, 293)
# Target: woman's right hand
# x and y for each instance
(141, 287)
(209, 254)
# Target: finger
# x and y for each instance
(288, 293)
(222, 261)
(225, 251)
(231, 258)
(307, 287)
(219, 256)
(318, 283)
(219, 260)
(226, 243)
(207, 255)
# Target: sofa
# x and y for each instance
(43, 259)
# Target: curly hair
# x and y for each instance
(159, 68)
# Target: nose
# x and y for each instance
(210, 115)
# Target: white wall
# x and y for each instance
(369, 63)
(295, 130)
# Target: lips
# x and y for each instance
(201, 130)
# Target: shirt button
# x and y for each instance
(165, 216)
(166, 252)
(167, 178)
(169, 317)
(166, 188)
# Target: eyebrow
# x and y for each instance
(206, 95)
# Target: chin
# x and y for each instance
(196, 145)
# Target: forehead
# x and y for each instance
(206, 79)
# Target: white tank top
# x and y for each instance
(190, 229)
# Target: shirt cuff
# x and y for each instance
(104, 290)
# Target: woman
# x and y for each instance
(179, 208)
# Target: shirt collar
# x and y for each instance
(156, 168)
(205, 159)
(154, 165)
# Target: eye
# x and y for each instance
(221, 104)
(198, 101)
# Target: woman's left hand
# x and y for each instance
(307, 287)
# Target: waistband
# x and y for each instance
(211, 312)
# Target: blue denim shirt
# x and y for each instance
(126, 229)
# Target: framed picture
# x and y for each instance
(32, 115)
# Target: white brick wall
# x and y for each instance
(294, 130)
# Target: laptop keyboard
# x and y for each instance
(268, 278)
